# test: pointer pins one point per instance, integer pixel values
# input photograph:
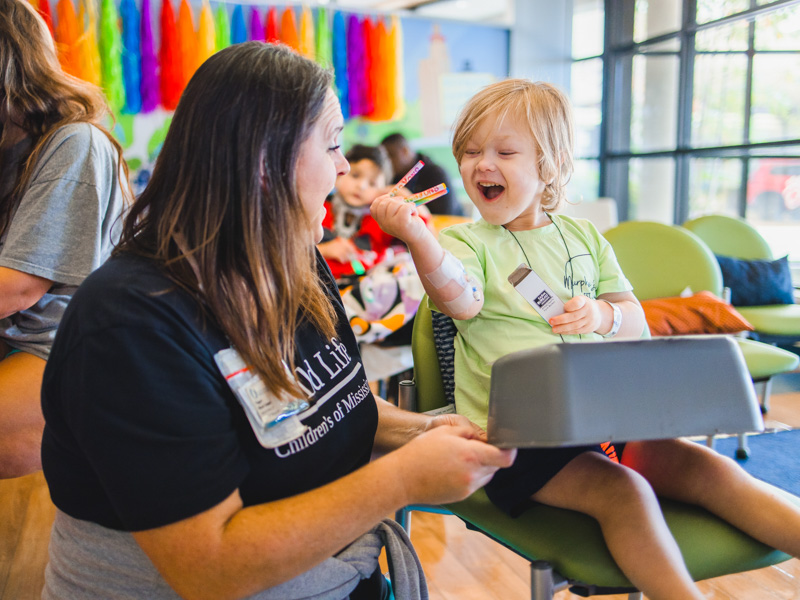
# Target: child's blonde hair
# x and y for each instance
(548, 114)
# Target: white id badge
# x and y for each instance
(538, 294)
(274, 421)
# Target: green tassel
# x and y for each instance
(324, 45)
(111, 56)
(222, 25)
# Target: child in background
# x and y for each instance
(382, 302)
(513, 142)
(353, 242)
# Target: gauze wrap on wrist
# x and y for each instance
(451, 269)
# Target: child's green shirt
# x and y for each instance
(583, 262)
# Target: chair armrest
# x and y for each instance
(588, 393)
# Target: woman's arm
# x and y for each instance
(19, 290)
(232, 552)
(397, 427)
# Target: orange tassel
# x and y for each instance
(88, 52)
(67, 33)
(187, 43)
(289, 29)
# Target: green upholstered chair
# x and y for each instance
(566, 548)
(729, 236)
(662, 260)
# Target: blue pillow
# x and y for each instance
(757, 282)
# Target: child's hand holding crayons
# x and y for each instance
(399, 215)
(421, 198)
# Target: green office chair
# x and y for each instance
(662, 260)
(727, 236)
(566, 548)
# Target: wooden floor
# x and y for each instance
(460, 564)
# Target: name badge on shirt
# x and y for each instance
(538, 294)
(274, 420)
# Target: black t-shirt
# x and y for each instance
(430, 175)
(141, 428)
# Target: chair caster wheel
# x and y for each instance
(742, 453)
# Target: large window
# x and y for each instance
(700, 110)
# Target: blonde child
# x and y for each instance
(513, 143)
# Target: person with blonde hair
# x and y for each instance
(209, 425)
(62, 188)
(513, 142)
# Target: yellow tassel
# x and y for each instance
(307, 34)
(206, 34)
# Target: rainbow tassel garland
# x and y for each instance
(364, 53)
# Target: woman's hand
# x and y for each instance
(582, 315)
(339, 248)
(454, 420)
(399, 218)
(462, 464)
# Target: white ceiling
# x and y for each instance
(494, 12)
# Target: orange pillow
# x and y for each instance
(701, 313)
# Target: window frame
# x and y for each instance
(619, 48)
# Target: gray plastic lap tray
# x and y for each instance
(587, 393)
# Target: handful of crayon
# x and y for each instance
(421, 198)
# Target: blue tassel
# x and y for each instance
(340, 62)
(238, 27)
(131, 57)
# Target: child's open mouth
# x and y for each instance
(491, 191)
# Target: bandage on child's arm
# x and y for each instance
(452, 269)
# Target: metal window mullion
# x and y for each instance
(616, 124)
(684, 126)
(748, 111)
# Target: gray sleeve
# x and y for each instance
(67, 220)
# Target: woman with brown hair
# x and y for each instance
(62, 183)
(209, 427)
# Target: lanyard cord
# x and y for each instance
(569, 256)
